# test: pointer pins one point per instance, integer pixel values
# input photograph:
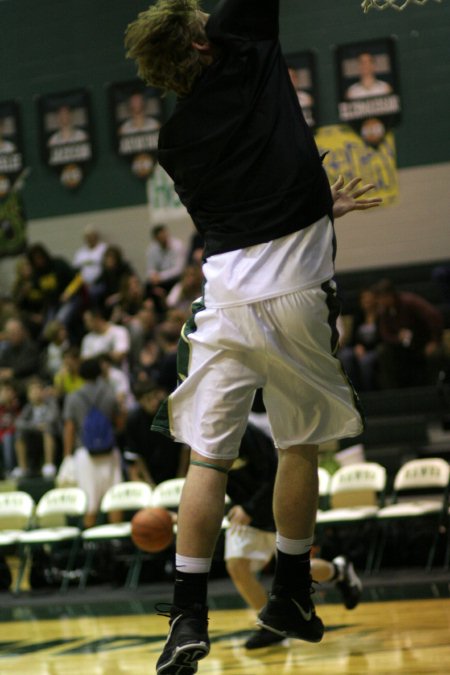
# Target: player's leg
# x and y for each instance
(199, 520)
(340, 571)
(290, 611)
(247, 583)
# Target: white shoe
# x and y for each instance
(348, 582)
(17, 472)
(48, 471)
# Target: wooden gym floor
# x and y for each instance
(398, 628)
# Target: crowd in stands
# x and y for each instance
(74, 332)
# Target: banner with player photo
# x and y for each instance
(347, 155)
(66, 134)
(136, 112)
(11, 151)
(302, 71)
(368, 87)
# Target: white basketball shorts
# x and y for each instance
(285, 345)
(244, 541)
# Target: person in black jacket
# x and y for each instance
(245, 164)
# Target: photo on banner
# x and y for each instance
(368, 85)
(302, 71)
(11, 150)
(66, 134)
(136, 113)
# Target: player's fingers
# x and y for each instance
(363, 190)
(352, 184)
(361, 206)
(338, 183)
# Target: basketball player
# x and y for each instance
(250, 540)
(246, 166)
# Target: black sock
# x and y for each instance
(190, 589)
(292, 574)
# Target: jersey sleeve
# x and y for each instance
(246, 19)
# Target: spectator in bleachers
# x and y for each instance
(19, 357)
(359, 356)
(131, 299)
(151, 456)
(28, 298)
(411, 337)
(55, 334)
(68, 378)
(59, 284)
(104, 337)
(88, 258)
(168, 335)
(142, 331)
(166, 258)
(119, 383)
(37, 432)
(115, 269)
(188, 289)
(9, 411)
(95, 473)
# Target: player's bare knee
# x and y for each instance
(238, 567)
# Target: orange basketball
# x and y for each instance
(152, 529)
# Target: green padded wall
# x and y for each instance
(52, 45)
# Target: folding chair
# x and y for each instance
(356, 493)
(126, 496)
(62, 502)
(16, 508)
(421, 490)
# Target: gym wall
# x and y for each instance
(53, 45)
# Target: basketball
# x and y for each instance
(152, 529)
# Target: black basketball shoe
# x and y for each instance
(263, 638)
(348, 582)
(187, 642)
(293, 617)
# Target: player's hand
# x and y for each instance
(346, 198)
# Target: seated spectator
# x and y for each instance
(9, 411)
(144, 349)
(28, 297)
(68, 378)
(359, 357)
(96, 471)
(165, 372)
(196, 246)
(59, 284)
(19, 357)
(88, 258)
(188, 289)
(55, 334)
(151, 456)
(119, 383)
(132, 296)
(411, 337)
(166, 257)
(114, 271)
(37, 432)
(104, 337)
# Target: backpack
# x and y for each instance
(97, 433)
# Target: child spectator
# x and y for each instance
(9, 411)
(68, 378)
(55, 334)
(37, 430)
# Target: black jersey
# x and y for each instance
(243, 160)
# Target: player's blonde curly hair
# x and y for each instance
(160, 41)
